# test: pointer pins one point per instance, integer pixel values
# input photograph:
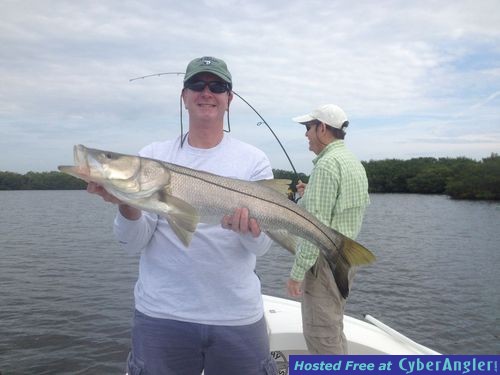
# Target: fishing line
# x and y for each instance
(271, 130)
(183, 137)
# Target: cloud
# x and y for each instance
(412, 76)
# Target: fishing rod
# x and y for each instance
(247, 103)
(154, 75)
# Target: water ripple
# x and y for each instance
(66, 296)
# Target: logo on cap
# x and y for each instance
(207, 60)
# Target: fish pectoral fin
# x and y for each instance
(279, 185)
(182, 218)
(284, 238)
(182, 234)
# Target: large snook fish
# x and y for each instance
(185, 197)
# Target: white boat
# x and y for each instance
(284, 320)
(284, 325)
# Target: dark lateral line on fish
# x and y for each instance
(195, 176)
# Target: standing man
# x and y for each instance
(199, 308)
(337, 194)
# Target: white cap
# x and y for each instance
(330, 114)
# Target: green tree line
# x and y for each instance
(40, 181)
(460, 178)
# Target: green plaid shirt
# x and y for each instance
(337, 194)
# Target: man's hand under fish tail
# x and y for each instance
(294, 288)
(241, 222)
(127, 211)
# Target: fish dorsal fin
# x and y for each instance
(284, 238)
(279, 185)
(181, 216)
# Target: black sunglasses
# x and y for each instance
(311, 123)
(217, 87)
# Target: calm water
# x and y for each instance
(66, 287)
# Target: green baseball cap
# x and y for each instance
(208, 64)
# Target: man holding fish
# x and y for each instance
(198, 308)
(197, 208)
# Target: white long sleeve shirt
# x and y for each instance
(213, 280)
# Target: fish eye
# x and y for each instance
(109, 155)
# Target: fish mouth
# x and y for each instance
(81, 169)
(87, 161)
(81, 159)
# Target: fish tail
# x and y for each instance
(341, 276)
(351, 254)
(354, 253)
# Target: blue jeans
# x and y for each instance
(170, 347)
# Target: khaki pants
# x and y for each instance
(323, 311)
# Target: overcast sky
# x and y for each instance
(416, 78)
